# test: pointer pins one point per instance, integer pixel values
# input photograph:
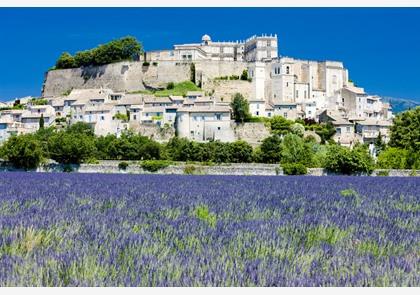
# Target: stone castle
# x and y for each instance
(276, 85)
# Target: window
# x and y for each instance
(269, 114)
(257, 113)
(218, 117)
(135, 117)
(287, 70)
(102, 118)
(297, 93)
(285, 114)
(347, 129)
(287, 84)
(218, 128)
(304, 94)
(147, 114)
(309, 112)
(203, 118)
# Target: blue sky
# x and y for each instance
(379, 46)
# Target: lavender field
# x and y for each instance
(164, 230)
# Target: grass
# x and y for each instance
(179, 89)
(202, 212)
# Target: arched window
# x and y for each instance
(287, 70)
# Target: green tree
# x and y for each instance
(405, 132)
(294, 150)
(71, 148)
(346, 161)
(84, 58)
(393, 158)
(22, 151)
(192, 72)
(41, 122)
(271, 149)
(240, 152)
(280, 125)
(81, 128)
(244, 75)
(240, 108)
(65, 61)
(298, 129)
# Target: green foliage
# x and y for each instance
(240, 108)
(41, 122)
(244, 75)
(405, 132)
(123, 165)
(192, 170)
(128, 146)
(122, 117)
(39, 101)
(322, 234)
(393, 158)
(346, 161)
(192, 73)
(154, 165)
(65, 61)
(22, 151)
(203, 213)
(349, 193)
(126, 48)
(295, 150)
(297, 128)
(179, 89)
(383, 173)
(67, 147)
(271, 149)
(280, 125)
(240, 152)
(171, 85)
(146, 64)
(294, 169)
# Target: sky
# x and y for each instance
(379, 46)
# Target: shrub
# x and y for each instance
(383, 173)
(22, 151)
(345, 161)
(123, 165)
(155, 63)
(171, 85)
(191, 169)
(393, 158)
(294, 169)
(244, 75)
(146, 63)
(67, 168)
(154, 165)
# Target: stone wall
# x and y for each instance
(153, 131)
(134, 76)
(253, 133)
(225, 89)
(179, 168)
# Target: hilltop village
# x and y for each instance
(188, 90)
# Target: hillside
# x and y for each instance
(400, 104)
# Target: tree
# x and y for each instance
(240, 108)
(280, 125)
(379, 144)
(393, 158)
(294, 150)
(22, 151)
(65, 61)
(84, 58)
(192, 72)
(346, 161)
(297, 129)
(71, 148)
(81, 128)
(41, 122)
(405, 132)
(271, 149)
(240, 152)
(244, 75)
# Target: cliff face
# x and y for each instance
(133, 76)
